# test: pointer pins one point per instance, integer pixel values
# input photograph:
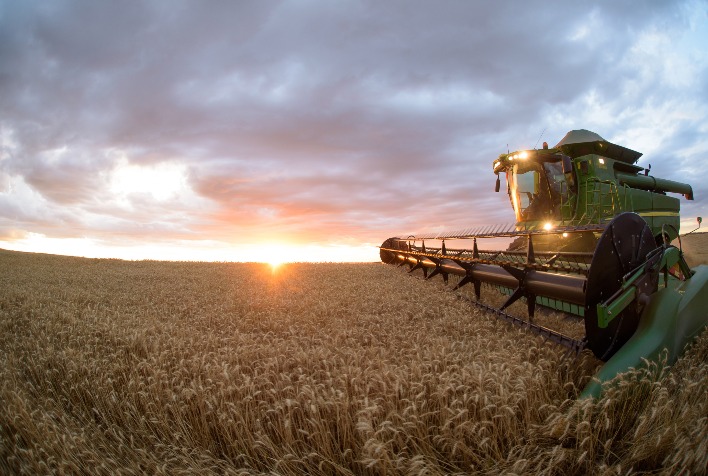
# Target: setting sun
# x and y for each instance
(275, 256)
(274, 265)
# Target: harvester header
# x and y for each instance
(592, 238)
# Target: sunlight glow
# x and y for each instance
(274, 254)
(274, 265)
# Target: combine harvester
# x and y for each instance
(592, 238)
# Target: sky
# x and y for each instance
(313, 130)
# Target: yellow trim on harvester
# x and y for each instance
(659, 214)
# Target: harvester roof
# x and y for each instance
(583, 142)
(578, 136)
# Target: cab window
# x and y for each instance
(534, 190)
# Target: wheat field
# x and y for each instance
(117, 367)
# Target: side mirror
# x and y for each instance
(567, 165)
(699, 220)
(498, 185)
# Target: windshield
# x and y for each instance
(535, 190)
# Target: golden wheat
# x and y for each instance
(113, 367)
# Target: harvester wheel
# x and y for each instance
(623, 246)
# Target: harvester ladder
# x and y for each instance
(567, 204)
(601, 201)
(628, 196)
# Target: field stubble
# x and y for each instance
(113, 367)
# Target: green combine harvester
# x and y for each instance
(592, 238)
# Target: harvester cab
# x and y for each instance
(585, 179)
(592, 237)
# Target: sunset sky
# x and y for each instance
(219, 130)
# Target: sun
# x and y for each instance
(275, 263)
(275, 255)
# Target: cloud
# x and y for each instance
(313, 121)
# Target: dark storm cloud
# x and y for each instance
(310, 118)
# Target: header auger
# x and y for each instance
(592, 237)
